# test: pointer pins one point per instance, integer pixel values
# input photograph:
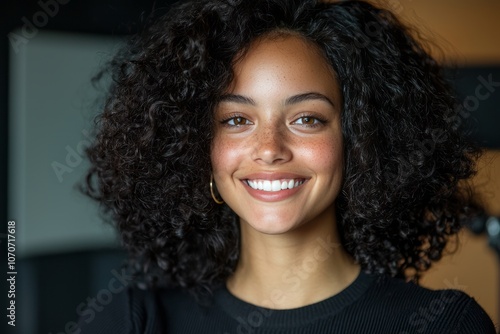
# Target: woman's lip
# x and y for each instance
(273, 176)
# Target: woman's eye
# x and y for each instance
(308, 120)
(237, 121)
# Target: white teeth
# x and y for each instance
(274, 185)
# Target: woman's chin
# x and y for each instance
(277, 226)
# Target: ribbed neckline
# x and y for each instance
(241, 310)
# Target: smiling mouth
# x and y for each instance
(274, 185)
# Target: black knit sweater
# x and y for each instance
(371, 304)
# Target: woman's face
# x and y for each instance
(277, 150)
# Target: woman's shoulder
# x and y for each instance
(425, 310)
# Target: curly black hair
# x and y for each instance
(401, 199)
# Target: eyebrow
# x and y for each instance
(237, 99)
(308, 96)
(289, 101)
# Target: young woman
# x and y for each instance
(280, 166)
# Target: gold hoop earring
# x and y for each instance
(218, 201)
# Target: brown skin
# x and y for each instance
(291, 253)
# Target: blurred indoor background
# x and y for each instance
(65, 253)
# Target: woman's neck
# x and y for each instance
(295, 269)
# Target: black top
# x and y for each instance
(371, 304)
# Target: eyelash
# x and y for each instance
(319, 121)
(232, 117)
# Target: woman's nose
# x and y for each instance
(272, 146)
